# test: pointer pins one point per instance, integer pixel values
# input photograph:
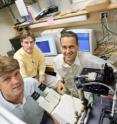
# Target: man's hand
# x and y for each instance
(60, 87)
(42, 79)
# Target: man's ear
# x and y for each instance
(61, 48)
(21, 43)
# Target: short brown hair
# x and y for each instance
(25, 34)
(8, 64)
(67, 33)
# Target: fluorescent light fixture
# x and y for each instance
(60, 21)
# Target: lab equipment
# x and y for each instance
(54, 103)
(46, 12)
(97, 85)
(74, 111)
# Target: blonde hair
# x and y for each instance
(25, 34)
(8, 64)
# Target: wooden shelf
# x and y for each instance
(92, 18)
(112, 6)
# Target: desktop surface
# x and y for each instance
(49, 60)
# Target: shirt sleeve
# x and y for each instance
(92, 61)
(58, 76)
(41, 63)
(30, 85)
(22, 66)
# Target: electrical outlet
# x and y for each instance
(104, 15)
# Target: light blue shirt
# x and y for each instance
(30, 112)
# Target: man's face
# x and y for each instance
(69, 49)
(11, 85)
(28, 44)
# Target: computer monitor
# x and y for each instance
(47, 45)
(15, 42)
(86, 39)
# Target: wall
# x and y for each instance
(98, 29)
(96, 18)
(6, 31)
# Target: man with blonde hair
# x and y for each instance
(15, 93)
(31, 60)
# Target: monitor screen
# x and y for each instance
(86, 39)
(83, 39)
(47, 45)
(44, 46)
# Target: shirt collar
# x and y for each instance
(77, 60)
(9, 105)
(30, 55)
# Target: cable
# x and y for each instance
(101, 117)
(99, 41)
(107, 28)
(105, 35)
(105, 113)
(114, 101)
(105, 24)
(102, 22)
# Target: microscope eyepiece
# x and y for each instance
(35, 95)
(42, 87)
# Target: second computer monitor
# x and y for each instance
(86, 40)
(47, 45)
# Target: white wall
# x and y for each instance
(6, 31)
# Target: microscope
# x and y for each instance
(68, 109)
(101, 83)
(64, 108)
